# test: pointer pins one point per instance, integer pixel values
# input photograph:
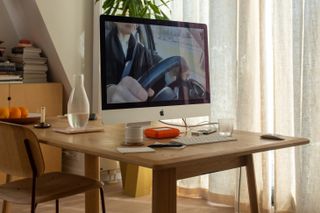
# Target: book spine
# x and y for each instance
(4, 68)
(3, 72)
(17, 50)
(11, 82)
(11, 78)
(24, 50)
(7, 64)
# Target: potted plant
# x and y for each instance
(136, 8)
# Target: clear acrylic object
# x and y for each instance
(78, 104)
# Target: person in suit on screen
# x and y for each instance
(127, 60)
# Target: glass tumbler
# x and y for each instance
(225, 127)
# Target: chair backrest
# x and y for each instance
(14, 158)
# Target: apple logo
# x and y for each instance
(161, 112)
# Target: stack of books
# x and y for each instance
(2, 56)
(31, 63)
(8, 72)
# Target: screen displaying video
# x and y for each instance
(154, 64)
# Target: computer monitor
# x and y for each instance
(153, 69)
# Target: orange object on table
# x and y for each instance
(161, 132)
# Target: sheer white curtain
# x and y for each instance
(307, 87)
(265, 68)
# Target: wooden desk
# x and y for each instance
(167, 165)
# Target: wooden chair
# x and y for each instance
(20, 155)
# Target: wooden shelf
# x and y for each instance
(33, 96)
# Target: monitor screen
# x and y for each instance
(152, 63)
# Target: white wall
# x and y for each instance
(69, 24)
(7, 31)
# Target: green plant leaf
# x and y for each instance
(164, 16)
(135, 8)
(125, 7)
(107, 4)
(131, 10)
(115, 9)
(164, 4)
(143, 12)
(154, 8)
(108, 11)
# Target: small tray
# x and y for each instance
(32, 118)
(70, 130)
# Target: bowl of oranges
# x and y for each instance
(19, 115)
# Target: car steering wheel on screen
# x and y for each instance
(157, 72)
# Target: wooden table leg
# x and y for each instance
(164, 191)
(136, 180)
(252, 185)
(6, 207)
(92, 170)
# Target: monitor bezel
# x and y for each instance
(116, 106)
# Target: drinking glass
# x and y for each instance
(225, 127)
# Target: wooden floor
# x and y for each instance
(116, 202)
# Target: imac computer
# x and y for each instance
(153, 70)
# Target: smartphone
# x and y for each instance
(170, 144)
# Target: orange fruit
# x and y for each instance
(15, 112)
(24, 112)
(4, 112)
